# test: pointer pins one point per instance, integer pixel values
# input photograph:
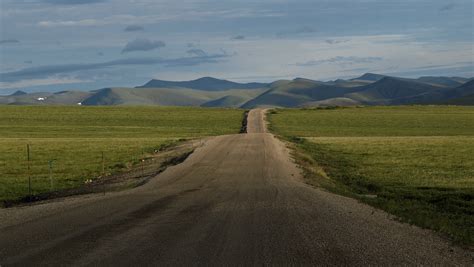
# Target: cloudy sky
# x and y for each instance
(88, 44)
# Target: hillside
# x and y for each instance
(368, 89)
(369, 77)
(348, 83)
(297, 93)
(18, 93)
(443, 81)
(45, 98)
(389, 90)
(231, 101)
(164, 96)
(384, 90)
(336, 101)
(439, 81)
(205, 83)
(462, 95)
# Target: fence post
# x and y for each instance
(50, 162)
(103, 164)
(103, 173)
(29, 170)
(143, 163)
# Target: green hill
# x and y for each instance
(164, 96)
(337, 101)
(443, 81)
(298, 92)
(390, 90)
(368, 89)
(369, 77)
(462, 95)
(205, 83)
(46, 98)
(226, 101)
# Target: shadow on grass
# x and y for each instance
(449, 211)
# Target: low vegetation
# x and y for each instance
(414, 162)
(74, 139)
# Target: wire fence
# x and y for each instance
(41, 174)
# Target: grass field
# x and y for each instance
(415, 162)
(74, 138)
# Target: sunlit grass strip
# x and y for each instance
(420, 168)
(375, 121)
(74, 138)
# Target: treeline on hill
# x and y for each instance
(368, 89)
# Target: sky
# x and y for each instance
(53, 45)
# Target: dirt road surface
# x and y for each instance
(238, 200)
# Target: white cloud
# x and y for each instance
(312, 31)
(39, 72)
(266, 59)
(116, 19)
(72, 2)
(340, 60)
(38, 82)
(190, 15)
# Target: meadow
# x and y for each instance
(74, 139)
(416, 162)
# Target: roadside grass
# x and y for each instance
(375, 121)
(74, 138)
(422, 170)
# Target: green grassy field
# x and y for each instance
(75, 137)
(415, 162)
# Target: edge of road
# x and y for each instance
(123, 180)
(315, 177)
(136, 176)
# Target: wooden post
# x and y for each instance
(103, 164)
(143, 162)
(29, 170)
(50, 175)
(103, 173)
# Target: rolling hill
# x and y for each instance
(462, 95)
(205, 83)
(18, 93)
(443, 81)
(439, 81)
(45, 98)
(166, 96)
(233, 101)
(368, 89)
(389, 90)
(369, 78)
(297, 92)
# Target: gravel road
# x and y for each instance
(237, 200)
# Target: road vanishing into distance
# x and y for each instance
(237, 200)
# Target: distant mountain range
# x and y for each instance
(204, 83)
(368, 89)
